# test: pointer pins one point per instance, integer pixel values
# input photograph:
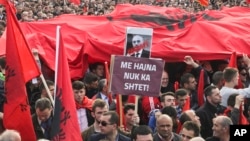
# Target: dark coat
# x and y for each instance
(98, 136)
(206, 113)
(37, 128)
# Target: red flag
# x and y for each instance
(233, 60)
(119, 110)
(176, 85)
(233, 64)
(179, 126)
(186, 105)
(201, 88)
(65, 125)
(77, 2)
(242, 118)
(203, 2)
(20, 68)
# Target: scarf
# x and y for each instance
(86, 103)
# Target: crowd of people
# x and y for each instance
(164, 117)
(37, 10)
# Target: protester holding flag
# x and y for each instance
(20, 68)
(233, 107)
(189, 80)
(42, 118)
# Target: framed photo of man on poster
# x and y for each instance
(138, 42)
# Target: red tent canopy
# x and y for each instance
(208, 35)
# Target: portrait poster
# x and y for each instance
(138, 42)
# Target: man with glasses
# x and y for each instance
(109, 128)
(189, 130)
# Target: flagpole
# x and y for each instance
(47, 90)
(57, 58)
(35, 54)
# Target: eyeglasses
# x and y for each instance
(104, 123)
(184, 136)
(243, 74)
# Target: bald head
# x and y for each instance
(10, 135)
(164, 117)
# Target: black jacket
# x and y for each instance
(206, 113)
(99, 136)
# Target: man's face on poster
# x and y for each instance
(137, 40)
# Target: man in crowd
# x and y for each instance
(10, 135)
(231, 77)
(221, 129)
(181, 98)
(164, 125)
(167, 99)
(104, 95)
(98, 69)
(209, 110)
(142, 133)
(98, 108)
(91, 82)
(131, 118)
(189, 115)
(189, 130)
(109, 122)
(189, 83)
(217, 79)
(166, 86)
(42, 118)
(83, 105)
